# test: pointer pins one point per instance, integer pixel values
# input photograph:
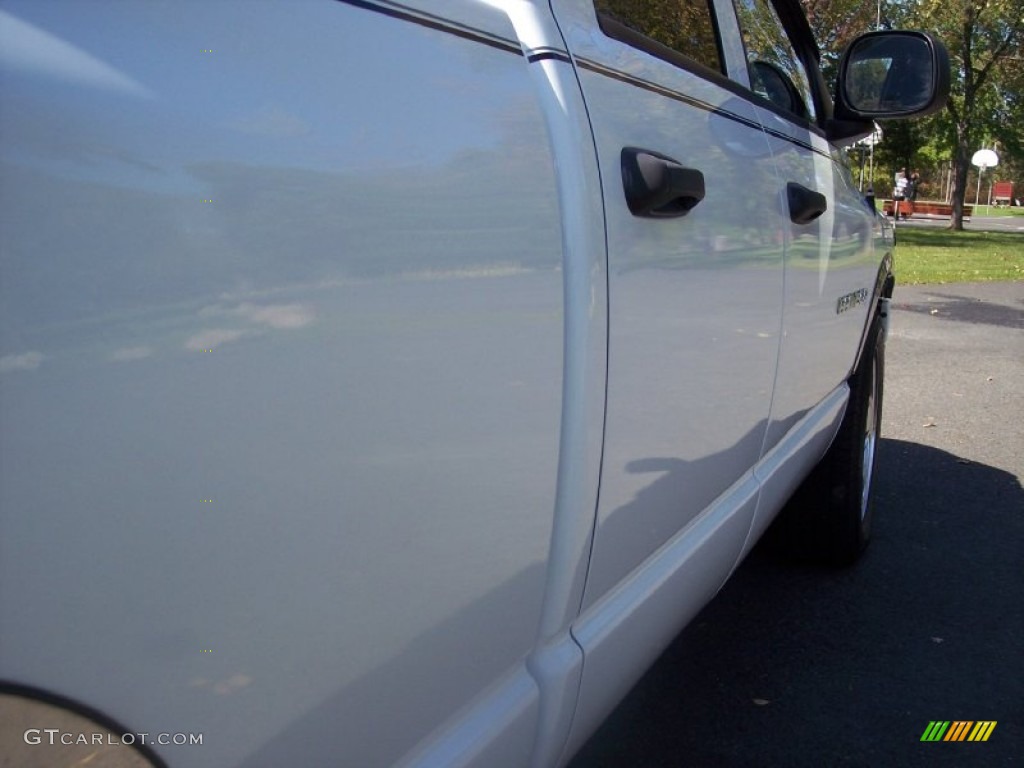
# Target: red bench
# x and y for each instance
(923, 207)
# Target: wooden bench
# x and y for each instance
(923, 207)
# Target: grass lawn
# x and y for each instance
(941, 256)
(995, 210)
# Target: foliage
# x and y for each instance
(836, 23)
(984, 39)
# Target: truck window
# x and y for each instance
(776, 72)
(667, 29)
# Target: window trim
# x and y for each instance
(619, 32)
(766, 104)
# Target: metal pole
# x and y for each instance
(977, 194)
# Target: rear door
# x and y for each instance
(695, 300)
(280, 372)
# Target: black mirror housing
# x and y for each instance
(890, 75)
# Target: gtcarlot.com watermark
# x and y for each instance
(55, 736)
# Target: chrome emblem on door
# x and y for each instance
(851, 300)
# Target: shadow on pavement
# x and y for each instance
(801, 666)
(966, 309)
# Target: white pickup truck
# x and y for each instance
(389, 382)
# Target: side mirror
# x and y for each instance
(887, 75)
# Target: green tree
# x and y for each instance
(901, 146)
(835, 24)
(1008, 132)
(984, 39)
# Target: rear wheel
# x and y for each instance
(829, 517)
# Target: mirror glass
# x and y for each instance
(889, 74)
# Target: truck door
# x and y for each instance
(830, 262)
(695, 296)
(280, 373)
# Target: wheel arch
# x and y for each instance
(69, 706)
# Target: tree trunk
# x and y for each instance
(961, 165)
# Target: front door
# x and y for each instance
(695, 298)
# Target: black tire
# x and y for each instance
(829, 517)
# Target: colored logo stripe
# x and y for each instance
(982, 730)
(958, 730)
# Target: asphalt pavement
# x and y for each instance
(793, 665)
